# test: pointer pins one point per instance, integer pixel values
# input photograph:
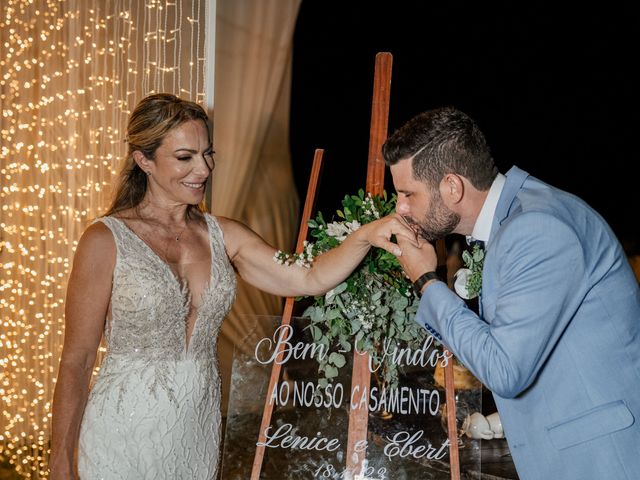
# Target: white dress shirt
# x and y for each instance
(482, 228)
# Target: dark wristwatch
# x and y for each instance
(422, 279)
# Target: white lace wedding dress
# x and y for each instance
(154, 409)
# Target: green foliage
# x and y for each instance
(474, 262)
(375, 304)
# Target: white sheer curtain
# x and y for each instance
(70, 71)
(253, 181)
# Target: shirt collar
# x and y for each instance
(482, 228)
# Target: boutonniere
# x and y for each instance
(468, 281)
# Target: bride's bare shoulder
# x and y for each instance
(97, 241)
(235, 234)
(232, 227)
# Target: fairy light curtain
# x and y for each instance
(70, 71)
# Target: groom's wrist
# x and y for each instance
(423, 281)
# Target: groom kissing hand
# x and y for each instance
(557, 340)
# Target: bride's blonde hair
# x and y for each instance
(149, 123)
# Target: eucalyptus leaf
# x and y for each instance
(355, 326)
(335, 330)
(392, 331)
(345, 344)
(339, 303)
(331, 372)
(398, 318)
(337, 359)
(308, 312)
(400, 304)
(340, 288)
(316, 333)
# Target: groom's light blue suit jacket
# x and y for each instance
(558, 340)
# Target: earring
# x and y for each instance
(148, 174)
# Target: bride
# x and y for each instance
(156, 276)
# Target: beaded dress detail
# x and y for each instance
(154, 408)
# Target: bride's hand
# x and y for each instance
(379, 233)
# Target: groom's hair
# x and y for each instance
(441, 141)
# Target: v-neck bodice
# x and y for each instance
(193, 310)
(149, 304)
(162, 262)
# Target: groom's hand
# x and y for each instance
(417, 258)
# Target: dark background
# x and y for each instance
(550, 85)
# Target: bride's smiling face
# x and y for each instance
(183, 162)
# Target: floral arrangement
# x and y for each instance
(373, 309)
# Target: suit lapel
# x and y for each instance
(512, 185)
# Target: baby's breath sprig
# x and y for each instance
(303, 259)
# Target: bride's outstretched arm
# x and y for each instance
(253, 257)
(88, 294)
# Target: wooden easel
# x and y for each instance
(361, 376)
(286, 315)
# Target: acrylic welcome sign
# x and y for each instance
(307, 435)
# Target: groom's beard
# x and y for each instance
(438, 222)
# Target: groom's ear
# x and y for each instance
(451, 189)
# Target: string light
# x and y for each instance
(68, 79)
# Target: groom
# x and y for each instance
(558, 338)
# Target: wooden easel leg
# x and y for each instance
(361, 376)
(286, 314)
(452, 427)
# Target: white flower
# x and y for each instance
(369, 207)
(301, 262)
(460, 284)
(353, 226)
(366, 322)
(304, 259)
(338, 230)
